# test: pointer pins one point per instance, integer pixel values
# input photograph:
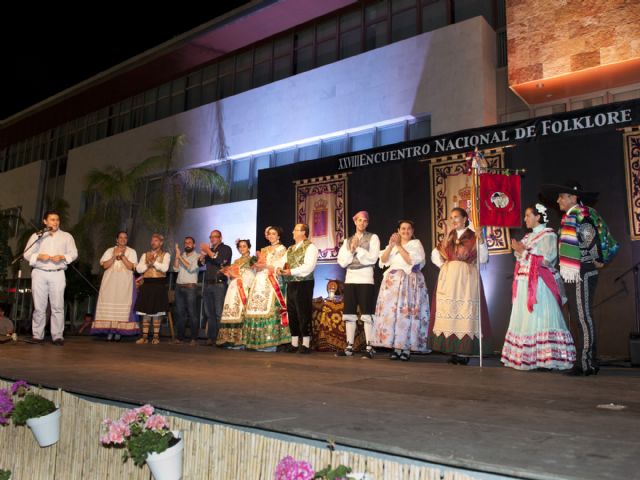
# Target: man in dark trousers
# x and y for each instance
(583, 249)
(298, 273)
(214, 256)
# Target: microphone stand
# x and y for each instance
(14, 312)
(636, 284)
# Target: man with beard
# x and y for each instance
(153, 298)
(186, 264)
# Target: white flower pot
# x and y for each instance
(167, 465)
(46, 429)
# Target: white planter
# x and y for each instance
(168, 464)
(46, 429)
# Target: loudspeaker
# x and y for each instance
(634, 349)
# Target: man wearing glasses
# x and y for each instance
(214, 256)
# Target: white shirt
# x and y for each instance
(365, 257)
(396, 262)
(309, 263)
(53, 244)
(118, 265)
(160, 266)
(483, 253)
(188, 275)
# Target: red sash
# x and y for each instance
(536, 269)
(243, 295)
(284, 318)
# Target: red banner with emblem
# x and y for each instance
(500, 200)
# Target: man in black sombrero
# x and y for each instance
(584, 247)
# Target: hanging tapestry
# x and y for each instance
(322, 204)
(632, 175)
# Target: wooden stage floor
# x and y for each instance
(524, 424)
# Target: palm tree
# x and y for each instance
(112, 192)
(162, 213)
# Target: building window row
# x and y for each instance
(367, 25)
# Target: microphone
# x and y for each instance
(43, 230)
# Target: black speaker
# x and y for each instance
(634, 349)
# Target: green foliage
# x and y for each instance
(31, 406)
(5, 474)
(329, 473)
(148, 441)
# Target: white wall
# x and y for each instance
(448, 73)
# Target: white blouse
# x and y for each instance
(396, 262)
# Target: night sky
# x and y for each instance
(44, 55)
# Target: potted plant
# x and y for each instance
(290, 468)
(146, 438)
(40, 414)
(5, 474)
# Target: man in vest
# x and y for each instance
(358, 254)
(153, 298)
(298, 273)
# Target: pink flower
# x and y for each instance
(156, 422)
(289, 469)
(129, 417)
(146, 410)
(19, 388)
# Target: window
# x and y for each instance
(285, 157)
(209, 84)
(262, 65)
(350, 34)
(163, 105)
(361, 140)
(225, 78)
(391, 134)
(435, 14)
(194, 90)
(473, 8)
(223, 169)
(309, 152)
(282, 58)
(403, 19)
(334, 146)
(178, 95)
(150, 105)
(303, 55)
(260, 162)
(244, 63)
(375, 15)
(327, 44)
(241, 181)
(420, 128)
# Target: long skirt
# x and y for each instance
(113, 312)
(262, 328)
(402, 312)
(230, 332)
(537, 339)
(455, 311)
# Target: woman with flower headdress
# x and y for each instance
(235, 300)
(537, 337)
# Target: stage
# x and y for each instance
(521, 424)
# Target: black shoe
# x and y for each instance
(592, 371)
(116, 338)
(347, 352)
(575, 372)
(405, 356)
(453, 360)
(36, 341)
(463, 360)
(304, 350)
(59, 342)
(394, 356)
(291, 349)
(368, 354)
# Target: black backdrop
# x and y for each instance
(397, 190)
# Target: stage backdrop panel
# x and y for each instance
(321, 203)
(632, 174)
(450, 187)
